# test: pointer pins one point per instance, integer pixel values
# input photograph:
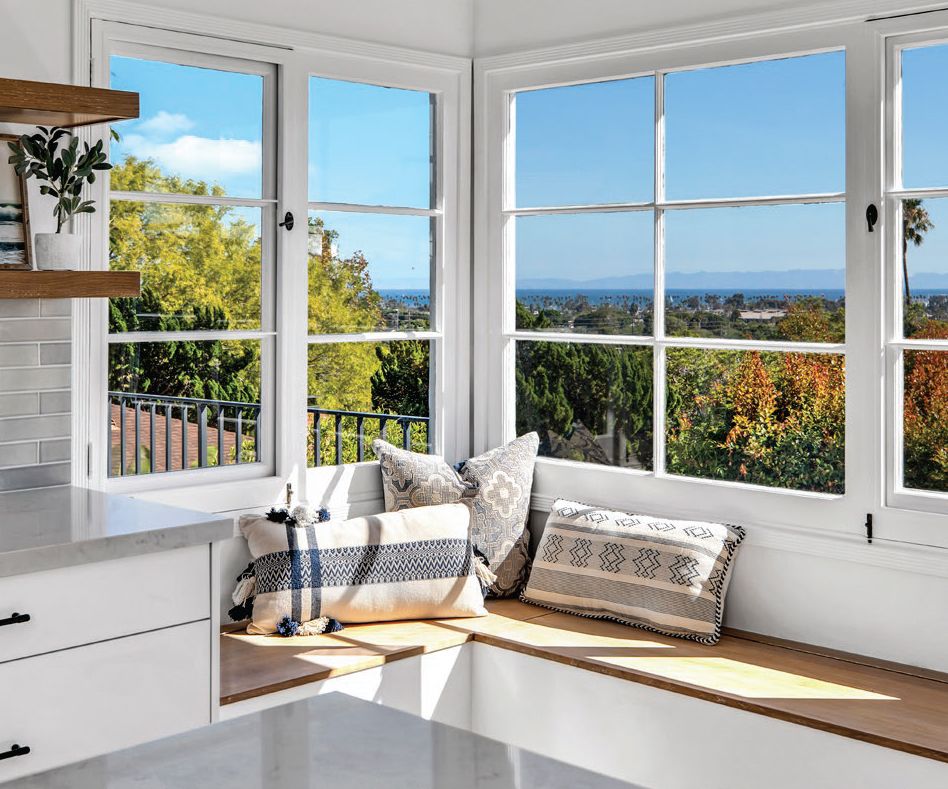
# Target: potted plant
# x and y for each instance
(47, 157)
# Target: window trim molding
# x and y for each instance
(751, 37)
(293, 55)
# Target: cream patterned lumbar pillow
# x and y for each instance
(669, 576)
(416, 564)
(496, 487)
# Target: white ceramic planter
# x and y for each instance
(56, 251)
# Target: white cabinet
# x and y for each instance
(69, 705)
(113, 654)
(93, 602)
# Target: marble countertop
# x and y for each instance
(326, 742)
(60, 527)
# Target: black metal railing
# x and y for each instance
(362, 420)
(178, 433)
(153, 433)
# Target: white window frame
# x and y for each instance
(800, 518)
(99, 24)
(125, 41)
(928, 29)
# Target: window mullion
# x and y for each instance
(658, 294)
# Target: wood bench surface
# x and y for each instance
(880, 703)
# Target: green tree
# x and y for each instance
(916, 222)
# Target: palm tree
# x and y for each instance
(915, 224)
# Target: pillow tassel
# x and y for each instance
(316, 627)
(483, 573)
(243, 595)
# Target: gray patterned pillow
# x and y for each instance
(495, 486)
(668, 576)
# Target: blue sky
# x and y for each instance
(368, 145)
(773, 127)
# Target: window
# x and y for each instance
(264, 352)
(917, 202)
(678, 247)
(374, 214)
(192, 208)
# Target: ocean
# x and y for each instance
(534, 296)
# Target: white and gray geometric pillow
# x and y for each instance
(496, 488)
(668, 576)
(410, 479)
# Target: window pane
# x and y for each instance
(765, 128)
(925, 418)
(200, 266)
(774, 419)
(763, 273)
(354, 386)
(924, 267)
(586, 144)
(369, 144)
(585, 273)
(183, 404)
(200, 130)
(924, 115)
(369, 272)
(591, 403)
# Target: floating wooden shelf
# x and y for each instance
(68, 284)
(51, 104)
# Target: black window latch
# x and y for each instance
(872, 216)
(288, 221)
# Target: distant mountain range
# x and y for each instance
(791, 279)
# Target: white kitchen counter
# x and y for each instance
(331, 742)
(62, 527)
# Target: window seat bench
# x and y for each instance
(883, 704)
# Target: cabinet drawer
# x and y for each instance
(86, 603)
(70, 705)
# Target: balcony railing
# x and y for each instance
(360, 427)
(154, 433)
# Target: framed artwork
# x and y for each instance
(16, 240)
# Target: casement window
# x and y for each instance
(681, 290)
(374, 217)
(192, 207)
(916, 282)
(712, 263)
(295, 215)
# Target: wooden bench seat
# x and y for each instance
(880, 703)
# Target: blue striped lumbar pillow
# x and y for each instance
(414, 564)
(668, 576)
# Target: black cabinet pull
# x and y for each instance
(15, 750)
(15, 619)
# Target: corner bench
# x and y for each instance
(883, 704)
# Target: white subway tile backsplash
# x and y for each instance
(25, 355)
(50, 451)
(28, 427)
(34, 329)
(34, 379)
(55, 353)
(55, 308)
(35, 399)
(21, 404)
(18, 454)
(20, 308)
(55, 402)
(35, 476)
